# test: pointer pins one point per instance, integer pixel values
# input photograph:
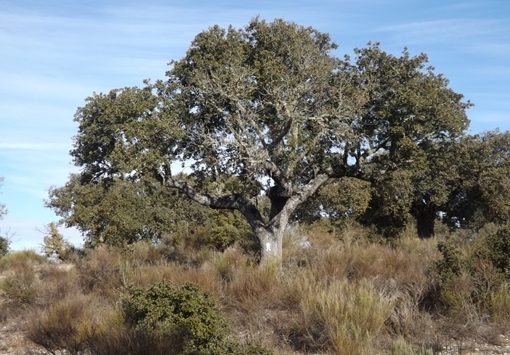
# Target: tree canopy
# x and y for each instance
(268, 110)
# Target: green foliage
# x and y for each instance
(229, 227)
(390, 203)
(495, 247)
(452, 262)
(482, 195)
(410, 113)
(182, 313)
(472, 278)
(121, 212)
(4, 246)
(337, 200)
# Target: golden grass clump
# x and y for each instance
(66, 325)
(341, 315)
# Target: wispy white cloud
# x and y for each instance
(450, 31)
(42, 86)
(33, 146)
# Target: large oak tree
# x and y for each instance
(266, 110)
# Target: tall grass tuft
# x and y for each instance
(342, 316)
(19, 282)
(65, 326)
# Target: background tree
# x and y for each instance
(4, 246)
(412, 113)
(54, 244)
(416, 194)
(261, 110)
(483, 192)
(338, 200)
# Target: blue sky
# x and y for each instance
(56, 53)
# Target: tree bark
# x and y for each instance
(270, 240)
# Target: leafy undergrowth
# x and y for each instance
(335, 294)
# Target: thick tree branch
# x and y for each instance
(231, 202)
(295, 200)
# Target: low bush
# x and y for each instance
(495, 247)
(472, 276)
(180, 313)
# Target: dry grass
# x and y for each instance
(341, 315)
(66, 325)
(336, 294)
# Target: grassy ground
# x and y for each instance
(342, 294)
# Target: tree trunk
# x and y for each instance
(270, 239)
(425, 221)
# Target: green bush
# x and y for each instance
(497, 249)
(452, 263)
(471, 282)
(4, 246)
(456, 286)
(181, 313)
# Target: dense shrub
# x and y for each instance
(496, 248)
(472, 276)
(451, 264)
(181, 313)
